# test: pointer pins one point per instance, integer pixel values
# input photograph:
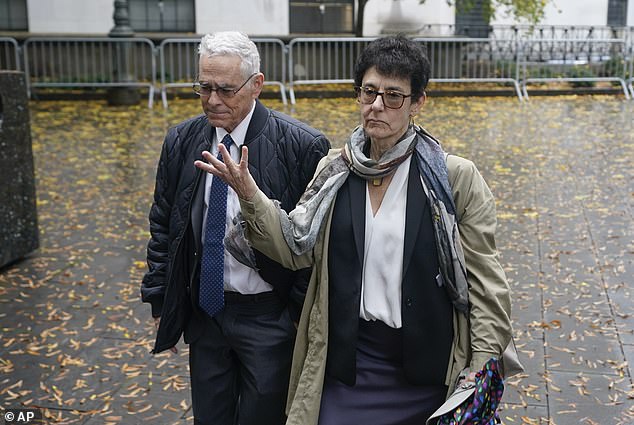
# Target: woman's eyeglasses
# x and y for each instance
(391, 99)
(204, 89)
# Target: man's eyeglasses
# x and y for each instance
(204, 89)
(391, 99)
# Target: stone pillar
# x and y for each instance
(18, 214)
(122, 95)
(121, 17)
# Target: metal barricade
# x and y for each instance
(474, 60)
(9, 54)
(579, 62)
(510, 55)
(328, 60)
(523, 31)
(90, 62)
(559, 32)
(630, 59)
(435, 30)
(466, 60)
(179, 63)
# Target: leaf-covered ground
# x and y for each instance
(75, 338)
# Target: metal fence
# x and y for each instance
(179, 63)
(630, 59)
(322, 60)
(9, 54)
(465, 60)
(90, 62)
(520, 31)
(474, 60)
(513, 55)
(557, 32)
(577, 61)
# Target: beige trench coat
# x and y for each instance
(484, 334)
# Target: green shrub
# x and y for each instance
(581, 72)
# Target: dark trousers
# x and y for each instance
(240, 362)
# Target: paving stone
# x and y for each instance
(523, 414)
(585, 344)
(628, 350)
(149, 399)
(528, 387)
(582, 398)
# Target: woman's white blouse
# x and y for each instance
(383, 255)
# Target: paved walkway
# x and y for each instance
(75, 339)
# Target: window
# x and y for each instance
(162, 15)
(321, 16)
(470, 19)
(13, 15)
(617, 13)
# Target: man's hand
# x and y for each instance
(236, 175)
(157, 320)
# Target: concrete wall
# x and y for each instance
(271, 17)
(70, 16)
(254, 17)
(414, 15)
(380, 14)
(568, 12)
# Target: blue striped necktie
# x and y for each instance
(211, 296)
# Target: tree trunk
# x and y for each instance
(358, 31)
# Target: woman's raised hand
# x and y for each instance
(235, 174)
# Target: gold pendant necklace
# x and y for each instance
(377, 182)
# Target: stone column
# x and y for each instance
(122, 52)
(18, 213)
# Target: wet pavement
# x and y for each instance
(75, 338)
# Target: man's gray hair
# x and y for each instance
(232, 43)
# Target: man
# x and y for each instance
(238, 320)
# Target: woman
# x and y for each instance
(406, 291)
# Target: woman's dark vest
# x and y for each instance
(426, 309)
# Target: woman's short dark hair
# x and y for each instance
(396, 56)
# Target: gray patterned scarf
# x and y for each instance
(301, 226)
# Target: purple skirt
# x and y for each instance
(381, 395)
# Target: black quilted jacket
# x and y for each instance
(283, 155)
